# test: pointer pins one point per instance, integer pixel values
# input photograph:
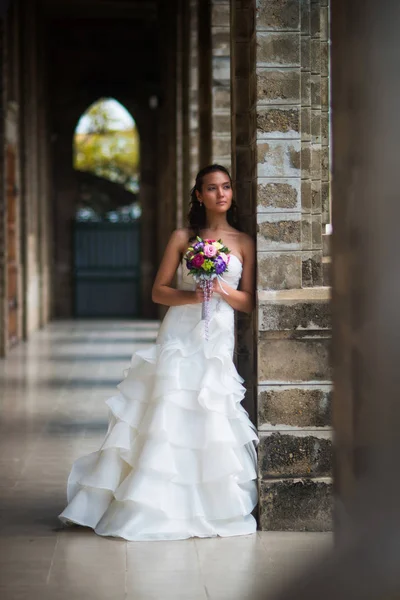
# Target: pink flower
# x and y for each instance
(224, 257)
(197, 261)
(210, 251)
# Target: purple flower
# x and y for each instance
(189, 264)
(198, 246)
(220, 265)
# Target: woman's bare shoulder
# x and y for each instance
(246, 240)
(180, 238)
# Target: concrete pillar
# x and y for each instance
(280, 169)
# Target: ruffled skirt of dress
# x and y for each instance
(179, 457)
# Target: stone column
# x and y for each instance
(30, 168)
(193, 92)
(3, 211)
(294, 321)
(204, 82)
(221, 93)
(182, 110)
(244, 173)
(167, 161)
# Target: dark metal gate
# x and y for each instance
(107, 269)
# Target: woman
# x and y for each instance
(179, 459)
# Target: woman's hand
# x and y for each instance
(199, 295)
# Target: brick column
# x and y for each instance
(294, 318)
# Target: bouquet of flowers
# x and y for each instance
(206, 260)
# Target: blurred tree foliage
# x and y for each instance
(106, 150)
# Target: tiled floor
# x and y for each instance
(52, 410)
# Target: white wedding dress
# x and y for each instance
(179, 458)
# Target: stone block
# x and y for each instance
(315, 20)
(306, 195)
(324, 23)
(294, 406)
(220, 41)
(316, 126)
(242, 59)
(325, 168)
(278, 158)
(244, 162)
(315, 82)
(305, 53)
(306, 160)
(305, 125)
(278, 232)
(315, 56)
(325, 59)
(312, 269)
(298, 358)
(305, 20)
(325, 202)
(326, 244)
(220, 15)
(221, 70)
(221, 123)
(305, 88)
(242, 94)
(325, 128)
(221, 97)
(245, 24)
(278, 87)
(278, 49)
(306, 232)
(278, 14)
(315, 161)
(279, 271)
(278, 194)
(317, 232)
(221, 146)
(278, 122)
(324, 83)
(327, 271)
(286, 455)
(296, 505)
(295, 314)
(316, 196)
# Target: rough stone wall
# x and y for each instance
(294, 315)
(221, 92)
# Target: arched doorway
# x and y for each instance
(106, 159)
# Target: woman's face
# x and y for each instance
(216, 192)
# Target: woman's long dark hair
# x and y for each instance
(197, 212)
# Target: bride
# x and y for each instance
(179, 459)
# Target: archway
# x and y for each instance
(106, 160)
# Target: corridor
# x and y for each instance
(52, 410)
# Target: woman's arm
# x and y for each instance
(162, 292)
(242, 299)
